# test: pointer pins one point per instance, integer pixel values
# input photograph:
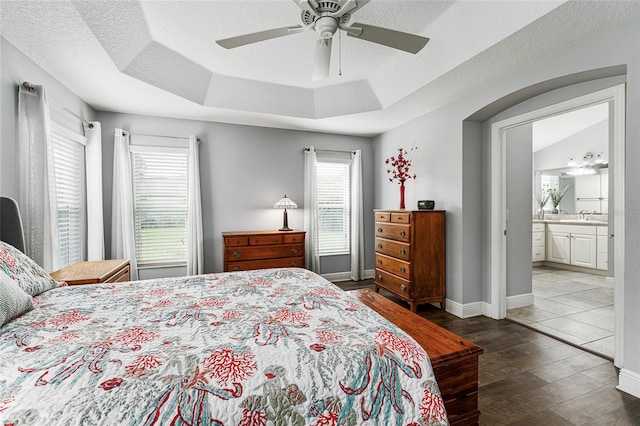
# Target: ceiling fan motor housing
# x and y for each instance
(326, 26)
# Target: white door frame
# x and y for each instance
(616, 95)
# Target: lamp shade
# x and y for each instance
(285, 203)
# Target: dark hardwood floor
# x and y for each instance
(527, 378)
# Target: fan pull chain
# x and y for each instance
(339, 53)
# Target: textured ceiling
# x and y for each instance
(160, 57)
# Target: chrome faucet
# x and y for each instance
(583, 213)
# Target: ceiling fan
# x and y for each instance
(326, 17)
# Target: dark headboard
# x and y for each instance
(11, 231)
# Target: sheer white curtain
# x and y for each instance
(93, 167)
(195, 247)
(357, 218)
(123, 244)
(311, 210)
(36, 177)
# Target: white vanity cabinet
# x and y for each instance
(572, 245)
(602, 247)
(538, 242)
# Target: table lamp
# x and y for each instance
(285, 204)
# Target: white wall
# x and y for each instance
(593, 139)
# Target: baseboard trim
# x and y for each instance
(629, 382)
(519, 300)
(346, 276)
(467, 310)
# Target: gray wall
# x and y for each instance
(243, 172)
(564, 75)
(519, 154)
(16, 68)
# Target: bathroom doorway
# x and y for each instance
(614, 97)
(572, 297)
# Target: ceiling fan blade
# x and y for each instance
(397, 39)
(232, 42)
(322, 59)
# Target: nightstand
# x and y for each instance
(93, 272)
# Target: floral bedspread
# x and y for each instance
(270, 347)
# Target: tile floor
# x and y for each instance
(573, 306)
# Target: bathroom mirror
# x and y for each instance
(587, 192)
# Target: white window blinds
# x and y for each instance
(160, 203)
(333, 207)
(69, 160)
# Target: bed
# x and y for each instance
(276, 346)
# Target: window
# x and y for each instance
(69, 161)
(160, 188)
(333, 207)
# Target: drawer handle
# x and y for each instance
(402, 287)
(275, 240)
(236, 268)
(379, 261)
(402, 233)
(379, 245)
(294, 263)
(402, 269)
(379, 277)
(379, 229)
(236, 254)
(403, 251)
(294, 250)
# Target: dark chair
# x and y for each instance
(11, 231)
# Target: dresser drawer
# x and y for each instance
(293, 238)
(236, 241)
(383, 216)
(393, 283)
(264, 240)
(393, 248)
(400, 218)
(289, 262)
(393, 265)
(263, 252)
(394, 232)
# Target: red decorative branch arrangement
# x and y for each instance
(401, 164)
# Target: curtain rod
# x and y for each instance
(158, 136)
(306, 148)
(31, 88)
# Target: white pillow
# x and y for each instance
(13, 300)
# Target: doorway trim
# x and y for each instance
(497, 275)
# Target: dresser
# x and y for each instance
(94, 272)
(410, 255)
(263, 249)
